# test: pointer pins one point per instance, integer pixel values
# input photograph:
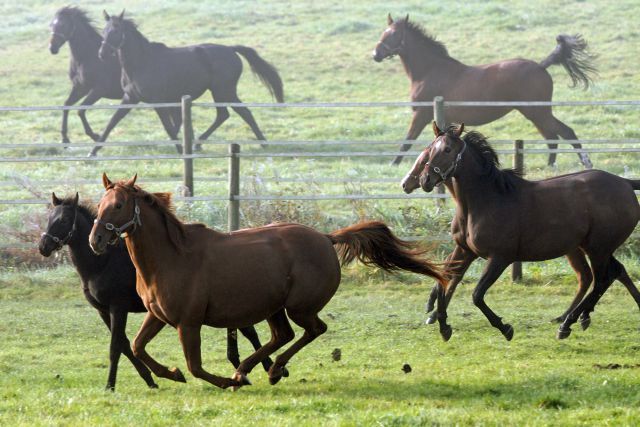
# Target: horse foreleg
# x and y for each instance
(491, 273)
(115, 119)
(150, 327)
(421, 116)
(246, 115)
(167, 123)
(91, 99)
(74, 96)
(281, 333)
(190, 339)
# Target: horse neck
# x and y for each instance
(86, 262)
(133, 52)
(84, 43)
(149, 245)
(470, 187)
(419, 61)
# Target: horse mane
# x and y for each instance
(132, 26)
(79, 16)
(162, 203)
(424, 37)
(505, 179)
(88, 210)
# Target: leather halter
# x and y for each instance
(61, 242)
(122, 230)
(395, 50)
(444, 175)
(106, 43)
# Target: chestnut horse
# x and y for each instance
(109, 283)
(434, 73)
(190, 275)
(505, 218)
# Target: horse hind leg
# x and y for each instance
(566, 132)
(251, 335)
(313, 328)
(281, 333)
(579, 263)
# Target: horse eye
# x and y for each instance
(118, 205)
(447, 149)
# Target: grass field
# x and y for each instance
(53, 347)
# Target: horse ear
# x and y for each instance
(132, 181)
(121, 14)
(54, 200)
(75, 200)
(436, 130)
(459, 130)
(106, 15)
(406, 19)
(106, 181)
(389, 19)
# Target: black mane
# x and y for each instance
(89, 211)
(79, 17)
(505, 179)
(421, 34)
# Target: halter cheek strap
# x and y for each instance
(122, 230)
(62, 36)
(394, 50)
(116, 48)
(452, 168)
(61, 242)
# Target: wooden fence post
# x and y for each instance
(233, 222)
(441, 122)
(187, 146)
(518, 165)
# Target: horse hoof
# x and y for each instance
(585, 323)
(507, 331)
(153, 385)
(240, 380)
(197, 148)
(275, 374)
(558, 319)
(66, 140)
(431, 319)
(446, 332)
(563, 333)
(285, 372)
(93, 153)
(110, 387)
(177, 375)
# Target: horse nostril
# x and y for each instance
(99, 238)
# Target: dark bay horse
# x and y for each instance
(155, 73)
(504, 218)
(109, 283)
(90, 77)
(190, 275)
(434, 73)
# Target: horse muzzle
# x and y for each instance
(409, 184)
(45, 247)
(426, 183)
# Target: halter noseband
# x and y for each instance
(61, 242)
(63, 36)
(122, 230)
(395, 50)
(452, 168)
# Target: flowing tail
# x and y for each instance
(374, 244)
(265, 71)
(571, 53)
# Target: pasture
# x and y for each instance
(54, 348)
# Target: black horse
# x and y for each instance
(90, 77)
(155, 73)
(109, 283)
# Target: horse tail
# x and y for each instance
(374, 244)
(265, 71)
(571, 53)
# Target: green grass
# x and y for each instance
(53, 347)
(54, 356)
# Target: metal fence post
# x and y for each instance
(233, 222)
(187, 145)
(518, 165)
(441, 122)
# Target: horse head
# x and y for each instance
(61, 225)
(113, 35)
(392, 41)
(62, 29)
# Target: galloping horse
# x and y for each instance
(109, 283)
(155, 73)
(90, 77)
(505, 218)
(434, 73)
(190, 275)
